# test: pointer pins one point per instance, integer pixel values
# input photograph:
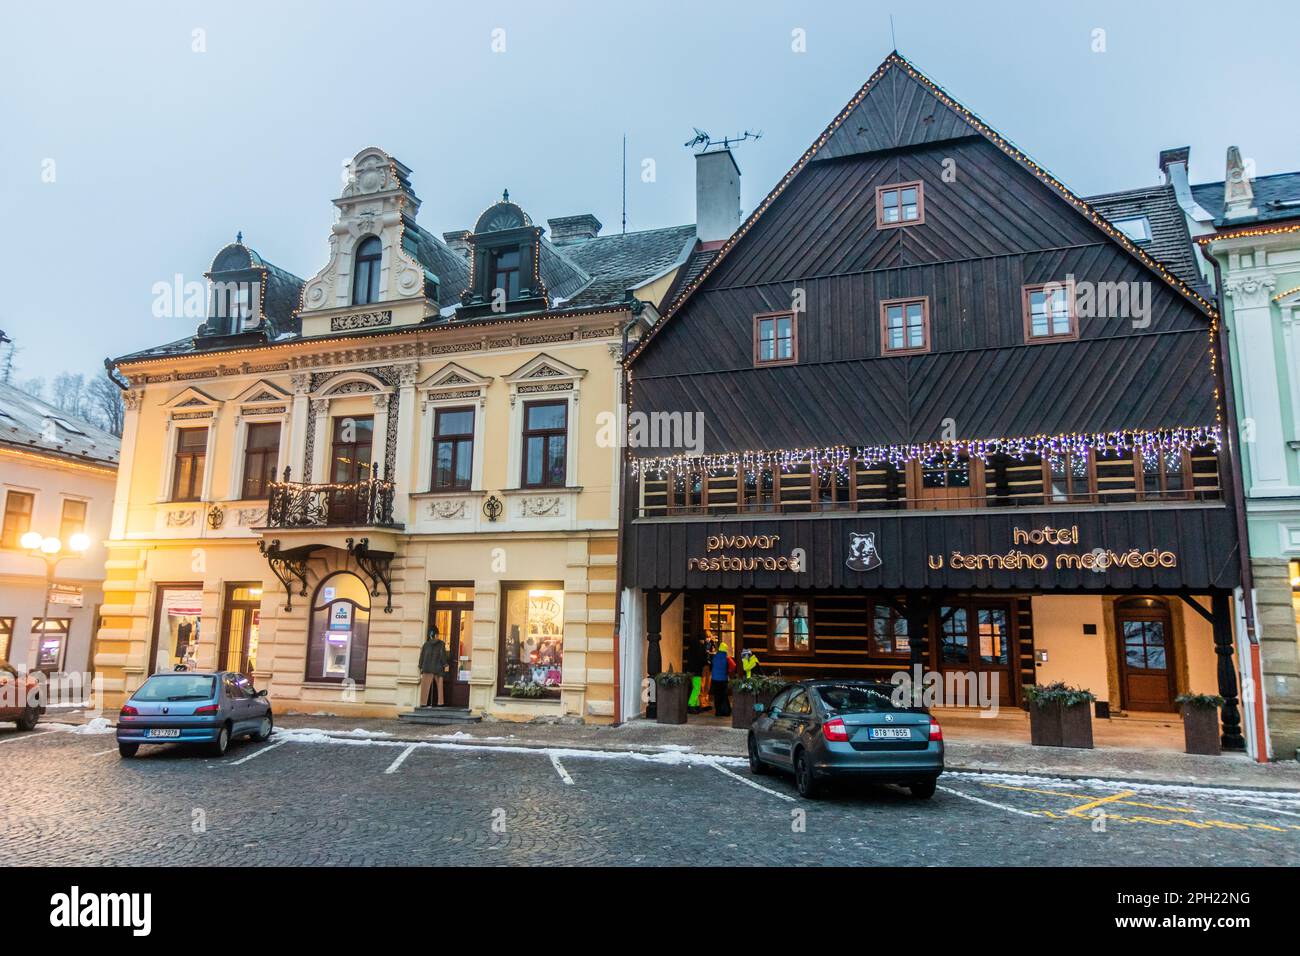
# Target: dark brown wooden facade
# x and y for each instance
(992, 228)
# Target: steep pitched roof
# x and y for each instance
(29, 424)
(1277, 197)
(1170, 241)
(897, 107)
(617, 262)
(451, 270)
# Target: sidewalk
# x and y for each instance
(979, 755)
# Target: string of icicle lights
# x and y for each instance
(840, 458)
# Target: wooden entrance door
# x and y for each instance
(452, 611)
(1146, 654)
(977, 637)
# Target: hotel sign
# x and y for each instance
(1076, 559)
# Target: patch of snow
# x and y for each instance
(672, 758)
(98, 725)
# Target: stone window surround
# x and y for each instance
(321, 402)
(563, 383)
(206, 412)
(257, 413)
(452, 386)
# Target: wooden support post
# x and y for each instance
(1223, 643)
(917, 616)
(653, 632)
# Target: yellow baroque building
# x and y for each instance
(422, 435)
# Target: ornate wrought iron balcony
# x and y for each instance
(297, 504)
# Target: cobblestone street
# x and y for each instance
(308, 799)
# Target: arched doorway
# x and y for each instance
(1146, 654)
(339, 635)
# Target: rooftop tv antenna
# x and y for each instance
(702, 142)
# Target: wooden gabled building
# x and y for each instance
(949, 416)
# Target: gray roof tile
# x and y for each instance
(28, 423)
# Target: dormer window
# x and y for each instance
(1137, 228)
(365, 281)
(505, 272)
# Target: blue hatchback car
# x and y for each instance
(187, 707)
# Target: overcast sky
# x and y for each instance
(160, 153)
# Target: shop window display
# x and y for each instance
(533, 639)
(179, 629)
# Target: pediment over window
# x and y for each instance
(457, 376)
(352, 383)
(544, 367)
(262, 391)
(192, 397)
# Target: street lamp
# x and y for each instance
(48, 549)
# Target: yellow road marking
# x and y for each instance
(1091, 801)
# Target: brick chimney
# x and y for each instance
(458, 242)
(717, 195)
(569, 229)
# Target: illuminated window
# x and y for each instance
(532, 639)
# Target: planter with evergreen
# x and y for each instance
(1201, 723)
(672, 694)
(747, 692)
(1059, 715)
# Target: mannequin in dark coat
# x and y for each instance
(433, 666)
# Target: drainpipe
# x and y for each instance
(1236, 475)
(625, 392)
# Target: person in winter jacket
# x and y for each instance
(748, 662)
(433, 666)
(721, 671)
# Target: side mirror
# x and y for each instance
(261, 693)
(760, 708)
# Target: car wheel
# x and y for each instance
(222, 742)
(808, 785)
(922, 791)
(756, 765)
(127, 750)
(264, 729)
(30, 716)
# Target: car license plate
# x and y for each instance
(174, 732)
(890, 733)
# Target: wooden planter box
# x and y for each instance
(1051, 725)
(1201, 730)
(671, 703)
(742, 708)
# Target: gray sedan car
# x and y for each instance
(187, 707)
(847, 729)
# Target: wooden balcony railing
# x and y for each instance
(297, 504)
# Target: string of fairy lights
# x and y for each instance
(841, 459)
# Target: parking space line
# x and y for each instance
(392, 767)
(19, 735)
(988, 803)
(559, 768)
(278, 743)
(750, 783)
(100, 753)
